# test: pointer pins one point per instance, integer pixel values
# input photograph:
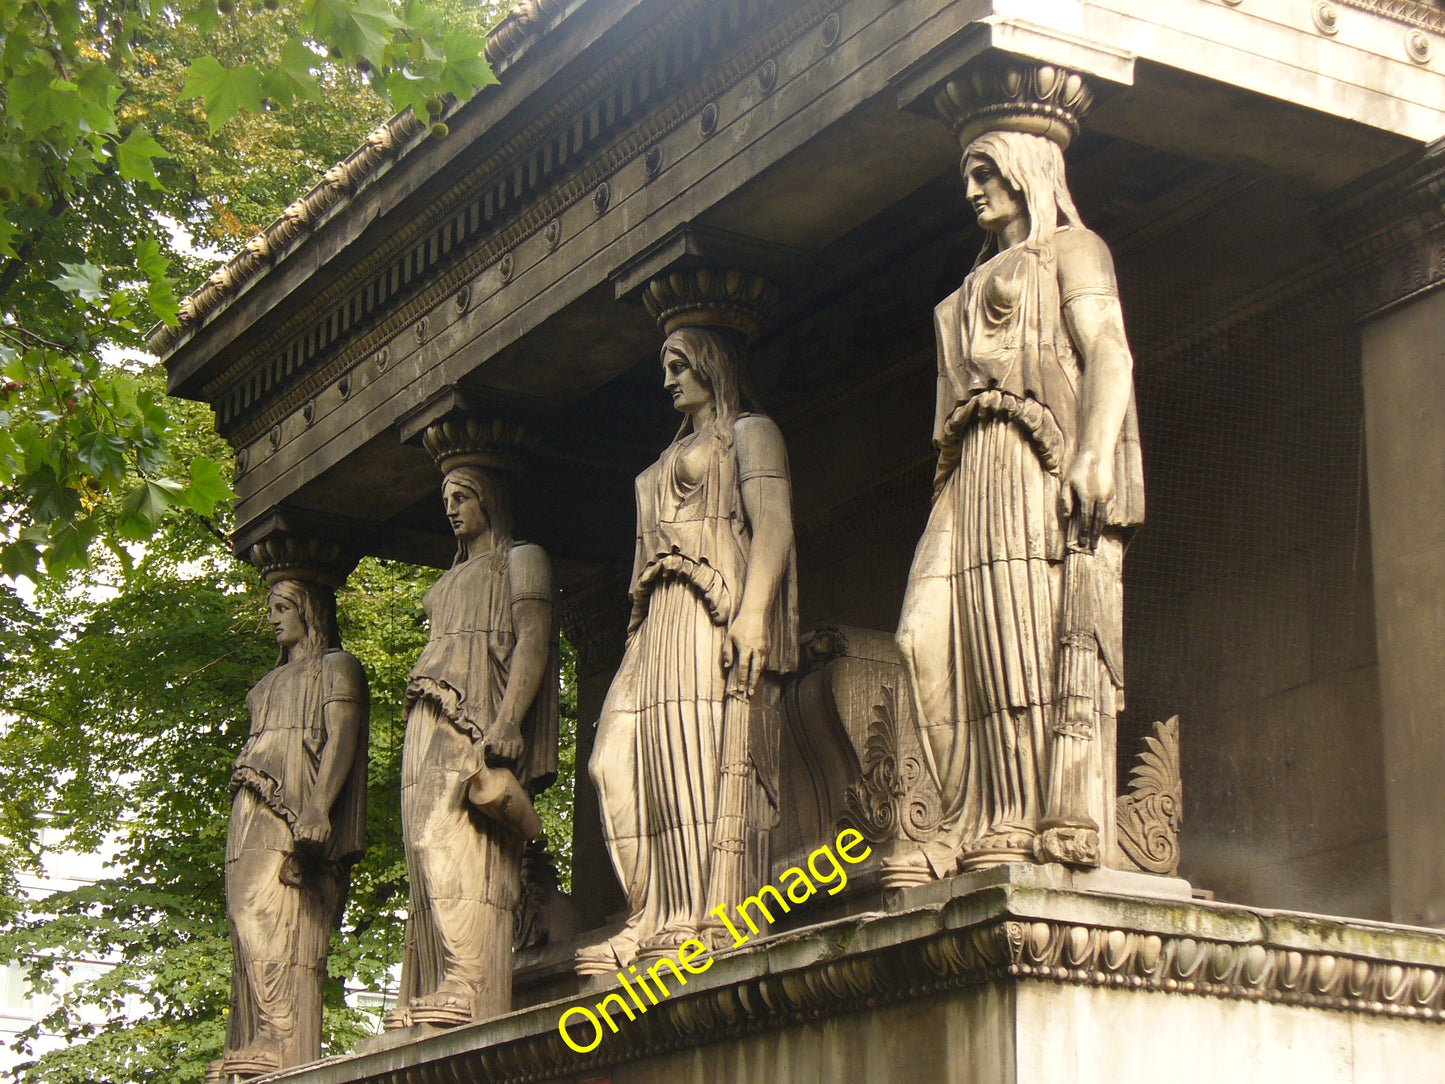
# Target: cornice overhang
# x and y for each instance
(1006, 926)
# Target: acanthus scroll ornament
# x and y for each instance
(1149, 816)
(892, 799)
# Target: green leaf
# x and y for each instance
(358, 28)
(99, 91)
(59, 106)
(20, 558)
(103, 454)
(208, 486)
(204, 16)
(466, 68)
(134, 157)
(26, 91)
(160, 288)
(294, 75)
(143, 506)
(223, 90)
(82, 279)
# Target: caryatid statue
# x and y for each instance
(687, 740)
(481, 737)
(1012, 620)
(298, 814)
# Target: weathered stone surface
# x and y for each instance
(298, 814)
(1023, 974)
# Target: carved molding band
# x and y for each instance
(1390, 231)
(594, 619)
(524, 21)
(1411, 12)
(337, 184)
(513, 193)
(1005, 948)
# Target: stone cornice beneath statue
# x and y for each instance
(1003, 943)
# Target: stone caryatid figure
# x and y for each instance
(689, 729)
(481, 737)
(1011, 624)
(298, 815)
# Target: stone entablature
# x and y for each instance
(1390, 231)
(536, 189)
(1018, 929)
(519, 188)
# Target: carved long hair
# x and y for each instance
(1033, 166)
(317, 606)
(716, 355)
(494, 490)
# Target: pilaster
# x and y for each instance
(1391, 231)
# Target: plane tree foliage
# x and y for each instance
(120, 121)
(124, 695)
(129, 634)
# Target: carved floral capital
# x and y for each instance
(710, 297)
(470, 441)
(997, 92)
(288, 557)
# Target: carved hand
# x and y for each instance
(504, 742)
(745, 652)
(1087, 493)
(312, 827)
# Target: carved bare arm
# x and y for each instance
(1096, 324)
(344, 714)
(532, 622)
(768, 504)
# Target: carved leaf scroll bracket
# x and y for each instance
(893, 799)
(1150, 814)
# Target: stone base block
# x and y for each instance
(1020, 975)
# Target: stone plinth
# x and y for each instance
(1015, 975)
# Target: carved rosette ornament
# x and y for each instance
(1000, 93)
(709, 297)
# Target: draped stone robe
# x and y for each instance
(980, 627)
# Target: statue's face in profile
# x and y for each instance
(689, 391)
(286, 619)
(465, 511)
(993, 201)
